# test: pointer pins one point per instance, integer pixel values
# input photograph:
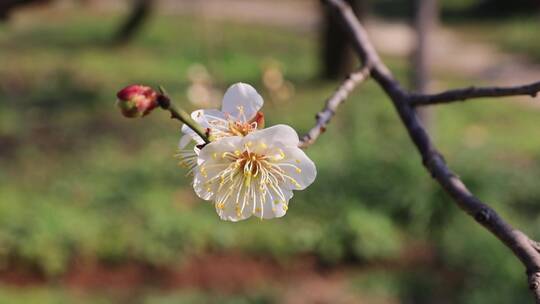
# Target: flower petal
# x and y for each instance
(191, 134)
(273, 207)
(242, 96)
(278, 134)
(208, 118)
(227, 210)
(184, 141)
(298, 166)
(210, 164)
(225, 144)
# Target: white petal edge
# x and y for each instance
(191, 134)
(299, 166)
(275, 209)
(184, 141)
(241, 95)
(283, 134)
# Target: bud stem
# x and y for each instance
(178, 113)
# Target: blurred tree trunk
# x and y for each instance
(139, 14)
(336, 53)
(426, 17)
(6, 6)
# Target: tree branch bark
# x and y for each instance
(521, 245)
(332, 104)
(473, 92)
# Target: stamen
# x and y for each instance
(252, 178)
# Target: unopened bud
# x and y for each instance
(137, 100)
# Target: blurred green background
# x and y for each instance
(94, 209)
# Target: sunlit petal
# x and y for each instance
(242, 101)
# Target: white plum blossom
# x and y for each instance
(239, 116)
(253, 174)
(245, 170)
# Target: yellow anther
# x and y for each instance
(238, 211)
(297, 161)
(203, 171)
(257, 209)
(263, 145)
(285, 207)
(237, 152)
(277, 202)
(298, 170)
(249, 143)
(214, 155)
(220, 206)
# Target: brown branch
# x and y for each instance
(520, 244)
(473, 92)
(332, 104)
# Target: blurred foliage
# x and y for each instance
(76, 179)
(517, 35)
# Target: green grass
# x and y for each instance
(76, 179)
(514, 35)
(58, 296)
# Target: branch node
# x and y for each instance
(432, 158)
(163, 101)
(534, 281)
(483, 215)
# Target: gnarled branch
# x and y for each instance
(521, 245)
(330, 108)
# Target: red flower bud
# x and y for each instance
(137, 100)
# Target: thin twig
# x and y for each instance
(520, 244)
(332, 104)
(176, 113)
(473, 92)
